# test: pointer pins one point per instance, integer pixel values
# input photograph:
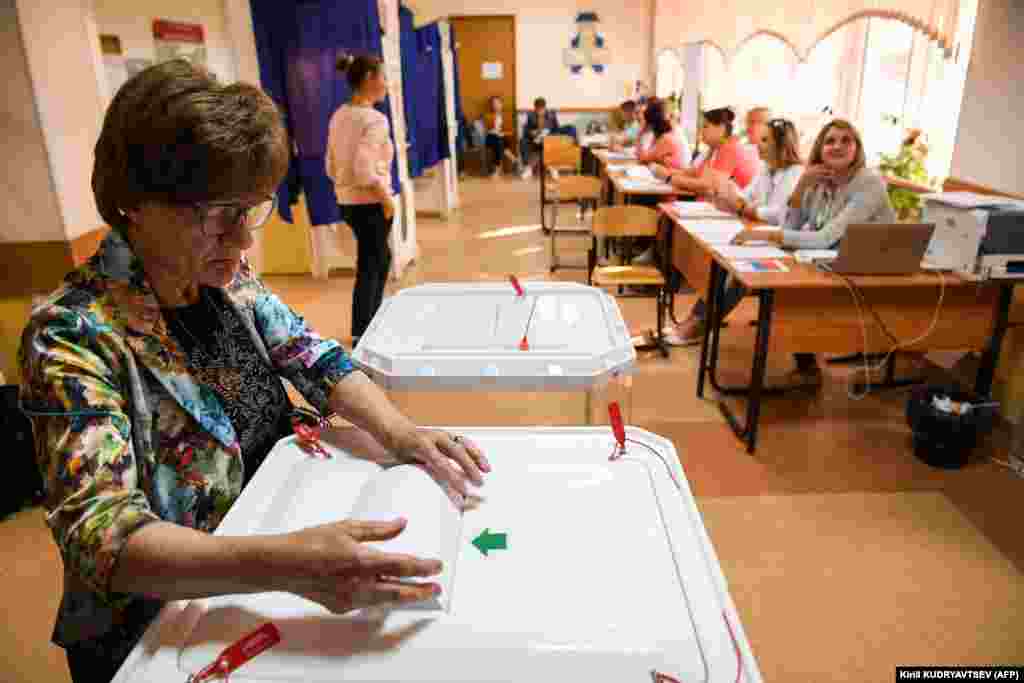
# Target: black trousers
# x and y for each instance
(373, 261)
(495, 151)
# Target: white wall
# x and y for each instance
(989, 150)
(62, 54)
(132, 22)
(544, 30)
(29, 201)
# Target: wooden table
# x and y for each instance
(807, 310)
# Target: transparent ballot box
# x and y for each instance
(484, 354)
(570, 567)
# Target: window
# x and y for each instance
(669, 79)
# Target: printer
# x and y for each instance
(1002, 249)
(975, 235)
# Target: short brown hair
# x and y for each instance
(859, 161)
(357, 68)
(174, 134)
(723, 116)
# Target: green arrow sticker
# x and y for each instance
(488, 541)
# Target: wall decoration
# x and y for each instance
(177, 39)
(493, 71)
(588, 46)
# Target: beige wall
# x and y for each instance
(29, 200)
(544, 30)
(989, 149)
(132, 22)
(62, 54)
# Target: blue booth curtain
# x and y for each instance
(426, 92)
(410, 61)
(297, 44)
(460, 114)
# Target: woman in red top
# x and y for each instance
(726, 159)
(665, 148)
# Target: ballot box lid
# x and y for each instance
(470, 335)
(604, 572)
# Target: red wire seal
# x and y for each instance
(618, 428)
(308, 436)
(515, 283)
(249, 646)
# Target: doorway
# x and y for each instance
(486, 48)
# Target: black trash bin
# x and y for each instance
(946, 439)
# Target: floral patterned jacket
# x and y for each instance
(124, 435)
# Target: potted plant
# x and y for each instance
(907, 164)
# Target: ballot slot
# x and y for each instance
(604, 571)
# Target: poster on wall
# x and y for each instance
(587, 49)
(175, 39)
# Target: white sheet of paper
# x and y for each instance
(493, 71)
(971, 200)
(715, 231)
(812, 255)
(641, 173)
(743, 252)
(621, 156)
(645, 186)
(751, 267)
(699, 210)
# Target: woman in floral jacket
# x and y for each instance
(153, 379)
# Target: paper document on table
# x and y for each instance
(699, 210)
(972, 200)
(621, 156)
(714, 232)
(615, 168)
(640, 173)
(814, 255)
(740, 252)
(631, 185)
(762, 266)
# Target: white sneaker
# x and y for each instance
(527, 173)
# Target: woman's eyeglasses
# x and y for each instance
(218, 218)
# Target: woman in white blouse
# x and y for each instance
(763, 200)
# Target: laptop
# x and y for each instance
(882, 249)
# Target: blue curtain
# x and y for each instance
(410, 69)
(297, 44)
(426, 94)
(460, 115)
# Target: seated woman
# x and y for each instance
(494, 123)
(154, 380)
(835, 190)
(763, 201)
(662, 147)
(624, 126)
(726, 158)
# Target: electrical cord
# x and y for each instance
(867, 368)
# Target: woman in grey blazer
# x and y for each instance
(835, 190)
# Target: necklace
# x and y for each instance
(219, 371)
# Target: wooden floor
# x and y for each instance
(846, 556)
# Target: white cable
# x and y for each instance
(867, 368)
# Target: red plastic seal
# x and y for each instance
(251, 645)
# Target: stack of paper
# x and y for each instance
(621, 156)
(632, 185)
(614, 168)
(740, 253)
(699, 210)
(972, 200)
(640, 173)
(714, 232)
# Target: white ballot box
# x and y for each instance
(571, 567)
(545, 357)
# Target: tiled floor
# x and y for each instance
(846, 555)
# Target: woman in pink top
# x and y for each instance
(727, 158)
(358, 160)
(666, 148)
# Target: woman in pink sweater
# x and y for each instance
(726, 159)
(662, 147)
(358, 160)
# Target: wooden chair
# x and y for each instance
(558, 154)
(629, 222)
(562, 155)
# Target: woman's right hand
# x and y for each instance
(815, 174)
(332, 566)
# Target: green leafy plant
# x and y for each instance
(907, 164)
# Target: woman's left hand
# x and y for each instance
(451, 459)
(758, 236)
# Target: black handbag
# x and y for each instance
(21, 483)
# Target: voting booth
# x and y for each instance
(571, 567)
(556, 353)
